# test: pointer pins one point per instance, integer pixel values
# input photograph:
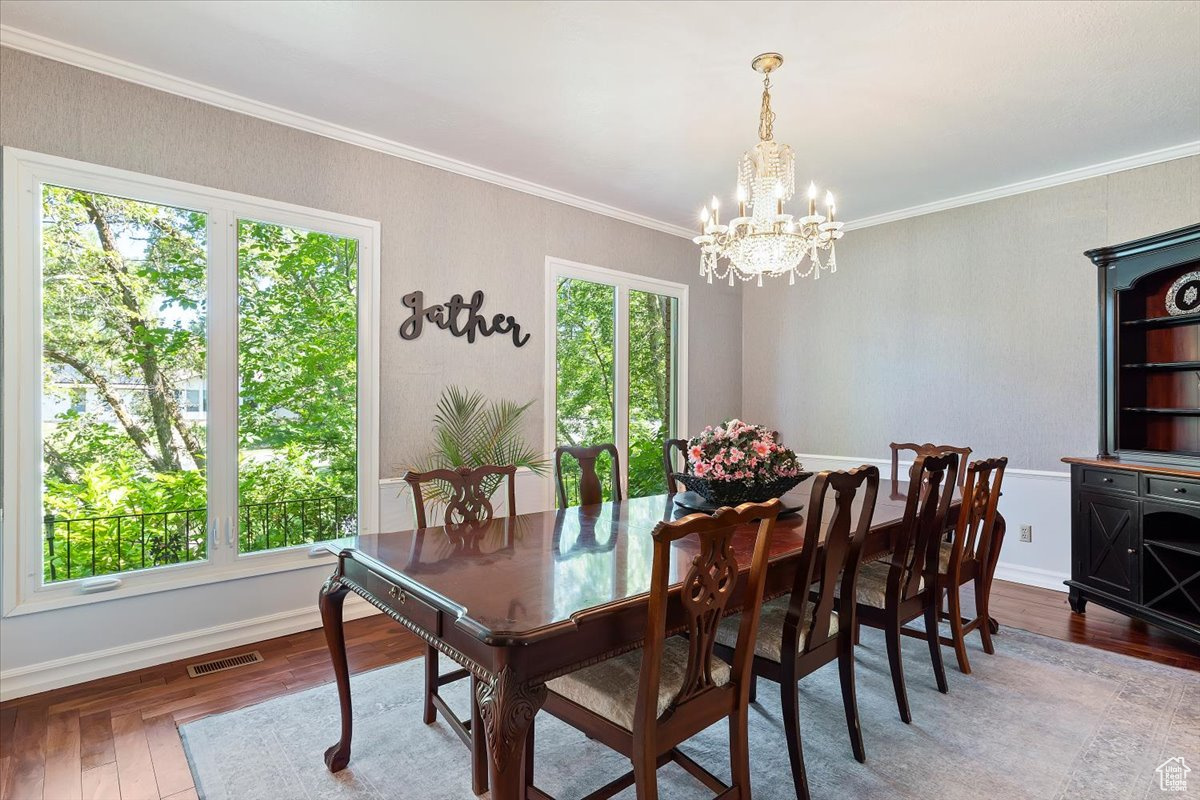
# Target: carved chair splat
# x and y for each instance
(674, 449)
(904, 585)
(681, 688)
(929, 449)
(590, 491)
(467, 504)
(802, 632)
(971, 555)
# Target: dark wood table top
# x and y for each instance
(525, 578)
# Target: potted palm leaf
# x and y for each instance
(470, 431)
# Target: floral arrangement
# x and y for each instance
(737, 460)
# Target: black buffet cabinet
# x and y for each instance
(1135, 542)
(1135, 507)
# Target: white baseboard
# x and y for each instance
(1032, 576)
(58, 673)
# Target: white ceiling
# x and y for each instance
(646, 106)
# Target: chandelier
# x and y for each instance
(766, 241)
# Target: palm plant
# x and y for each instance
(471, 431)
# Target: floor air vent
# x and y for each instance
(222, 664)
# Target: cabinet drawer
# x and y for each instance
(1169, 488)
(404, 603)
(1110, 480)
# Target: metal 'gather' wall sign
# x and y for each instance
(460, 317)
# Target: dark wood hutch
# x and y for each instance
(1135, 515)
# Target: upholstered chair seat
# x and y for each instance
(609, 689)
(944, 557)
(872, 583)
(769, 644)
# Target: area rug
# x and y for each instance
(1039, 719)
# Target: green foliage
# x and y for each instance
(471, 431)
(125, 314)
(586, 361)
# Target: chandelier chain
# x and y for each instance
(766, 118)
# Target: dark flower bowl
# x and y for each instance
(732, 493)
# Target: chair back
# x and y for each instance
(590, 491)
(929, 449)
(915, 558)
(673, 449)
(844, 539)
(974, 538)
(706, 591)
(467, 493)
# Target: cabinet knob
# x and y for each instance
(1107, 480)
(396, 594)
(1131, 551)
(1180, 490)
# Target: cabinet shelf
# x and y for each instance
(1179, 545)
(1162, 322)
(1174, 412)
(1166, 366)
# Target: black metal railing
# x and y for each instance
(284, 523)
(87, 546)
(83, 547)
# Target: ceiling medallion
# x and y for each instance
(762, 239)
(1184, 295)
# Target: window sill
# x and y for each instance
(166, 579)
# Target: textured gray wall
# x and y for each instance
(975, 325)
(442, 233)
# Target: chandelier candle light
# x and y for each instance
(767, 241)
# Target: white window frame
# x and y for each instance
(624, 283)
(24, 174)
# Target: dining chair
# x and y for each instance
(591, 493)
(672, 450)
(904, 585)
(929, 449)
(801, 632)
(644, 703)
(466, 500)
(971, 555)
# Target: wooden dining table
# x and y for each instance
(520, 600)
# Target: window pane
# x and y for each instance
(298, 384)
(653, 321)
(124, 290)
(586, 369)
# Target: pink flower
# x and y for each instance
(735, 455)
(701, 468)
(762, 448)
(696, 453)
(718, 471)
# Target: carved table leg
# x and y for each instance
(333, 594)
(508, 705)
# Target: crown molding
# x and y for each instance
(134, 73)
(1044, 182)
(124, 70)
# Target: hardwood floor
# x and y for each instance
(116, 738)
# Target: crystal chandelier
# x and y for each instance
(767, 241)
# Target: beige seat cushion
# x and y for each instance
(769, 643)
(610, 688)
(872, 583)
(944, 557)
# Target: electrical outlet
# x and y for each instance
(1026, 533)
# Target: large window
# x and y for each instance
(184, 395)
(616, 349)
